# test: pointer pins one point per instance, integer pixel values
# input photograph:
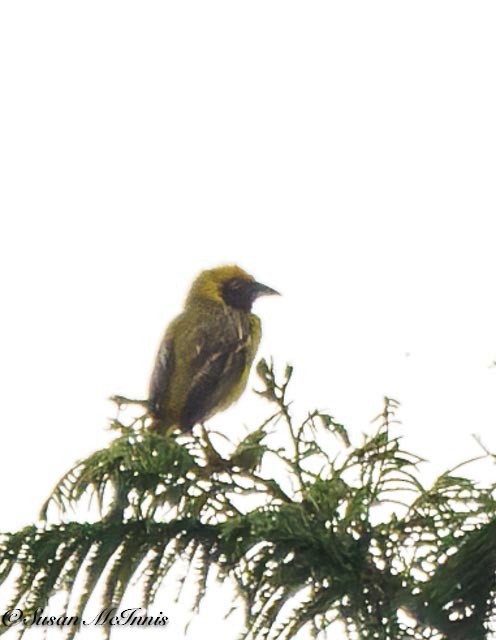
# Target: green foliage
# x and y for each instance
(339, 534)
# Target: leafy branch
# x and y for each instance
(340, 532)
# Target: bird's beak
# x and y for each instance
(260, 289)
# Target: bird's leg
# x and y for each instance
(215, 462)
(210, 449)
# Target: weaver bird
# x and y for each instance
(205, 357)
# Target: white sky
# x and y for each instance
(342, 152)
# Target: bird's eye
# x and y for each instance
(236, 293)
(236, 285)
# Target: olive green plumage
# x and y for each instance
(206, 354)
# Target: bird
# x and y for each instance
(204, 359)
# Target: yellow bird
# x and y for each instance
(205, 357)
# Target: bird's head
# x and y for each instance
(229, 285)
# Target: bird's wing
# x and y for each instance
(219, 369)
(160, 380)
